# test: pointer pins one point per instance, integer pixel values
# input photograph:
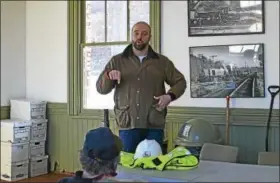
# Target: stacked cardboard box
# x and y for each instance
(23, 140)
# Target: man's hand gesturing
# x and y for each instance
(163, 101)
(115, 75)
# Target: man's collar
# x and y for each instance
(129, 52)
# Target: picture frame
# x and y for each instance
(221, 18)
(235, 70)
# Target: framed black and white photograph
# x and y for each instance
(227, 70)
(219, 17)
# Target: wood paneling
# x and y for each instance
(5, 112)
(247, 131)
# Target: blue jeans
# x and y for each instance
(131, 138)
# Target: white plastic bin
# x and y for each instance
(28, 109)
(14, 152)
(14, 171)
(37, 148)
(38, 129)
(38, 166)
(15, 130)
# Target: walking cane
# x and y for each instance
(105, 122)
(227, 119)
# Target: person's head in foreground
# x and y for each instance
(99, 157)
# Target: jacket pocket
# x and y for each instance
(123, 118)
(156, 118)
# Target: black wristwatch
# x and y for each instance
(173, 97)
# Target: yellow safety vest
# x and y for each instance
(179, 158)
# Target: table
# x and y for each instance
(207, 171)
(233, 172)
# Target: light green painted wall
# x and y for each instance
(5, 112)
(247, 131)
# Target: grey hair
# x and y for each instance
(95, 167)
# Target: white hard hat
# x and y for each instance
(147, 148)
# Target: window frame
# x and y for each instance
(76, 32)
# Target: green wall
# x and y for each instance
(5, 112)
(247, 130)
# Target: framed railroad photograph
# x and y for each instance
(227, 70)
(219, 17)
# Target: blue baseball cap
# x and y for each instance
(102, 144)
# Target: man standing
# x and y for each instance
(138, 75)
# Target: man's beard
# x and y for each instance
(139, 47)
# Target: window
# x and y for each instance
(97, 31)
